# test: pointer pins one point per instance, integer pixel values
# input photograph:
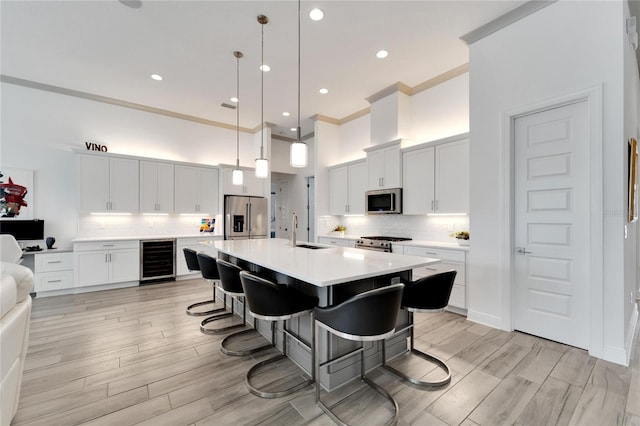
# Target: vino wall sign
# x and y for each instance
(95, 147)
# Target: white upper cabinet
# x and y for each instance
(196, 190)
(156, 187)
(107, 184)
(436, 178)
(347, 185)
(251, 185)
(452, 177)
(384, 166)
(418, 192)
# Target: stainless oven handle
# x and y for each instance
(374, 249)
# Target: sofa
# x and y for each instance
(16, 282)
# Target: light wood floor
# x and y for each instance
(132, 356)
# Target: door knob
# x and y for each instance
(522, 251)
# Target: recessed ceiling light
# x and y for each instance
(323, 91)
(156, 77)
(234, 99)
(265, 68)
(286, 114)
(293, 129)
(316, 14)
(382, 54)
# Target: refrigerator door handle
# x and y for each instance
(248, 217)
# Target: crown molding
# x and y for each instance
(396, 87)
(505, 20)
(118, 102)
(325, 118)
(439, 79)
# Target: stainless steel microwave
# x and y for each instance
(384, 201)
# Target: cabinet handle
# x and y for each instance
(109, 257)
(436, 204)
(54, 281)
(431, 269)
(106, 258)
(107, 245)
(55, 261)
(431, 253)
(433, 205)
(107, 205)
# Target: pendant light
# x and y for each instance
(262, 164)
(237, 178)
(298, 156)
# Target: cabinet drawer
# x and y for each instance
(106, 245)
(53, 262)
(458, 297)
(48, 281)
(443, 254)
(443, 266)
(336, 242)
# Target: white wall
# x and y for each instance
(441, 111)
(40, 128)
(546, 55)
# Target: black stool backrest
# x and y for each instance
(191, 256)
(371, 313)
(229, 276)
(429, 293)
(208, 267)
(273, 300)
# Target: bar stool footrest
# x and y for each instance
(225, 350)
(271, 395)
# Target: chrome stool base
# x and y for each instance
(271, 395)
(203, 313)
(427, 357)
(423, 383)
(225, 342)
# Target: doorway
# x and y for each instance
(551, 259)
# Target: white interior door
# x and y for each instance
(311, 209)
(551, 259)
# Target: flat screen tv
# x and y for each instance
(23, 229)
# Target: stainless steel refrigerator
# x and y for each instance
(245, 217)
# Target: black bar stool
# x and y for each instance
(209, 268)
(232, 286)
(191, 256)
(366, 317)
(273, 302)
(427, 294)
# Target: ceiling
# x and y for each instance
(109, 48)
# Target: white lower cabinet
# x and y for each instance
(449, 259)
(52, 271)
(98, 263)
(337, 242)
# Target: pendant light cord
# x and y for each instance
(238, 111)
(262, 93)
(298, 130)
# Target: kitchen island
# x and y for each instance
(333, 274)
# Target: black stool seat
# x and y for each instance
(368, 316)
(191, 257)
(427, 294)
(274, 302)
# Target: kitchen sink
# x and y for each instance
(309, 246)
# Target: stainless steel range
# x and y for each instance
(378, 243)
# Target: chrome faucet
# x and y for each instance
(294, 226)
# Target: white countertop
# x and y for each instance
(323, 267)
(203, 235)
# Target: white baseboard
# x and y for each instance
(619, 355)
(485, 319)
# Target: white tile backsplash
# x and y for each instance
(429, 228)
(141, 225)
